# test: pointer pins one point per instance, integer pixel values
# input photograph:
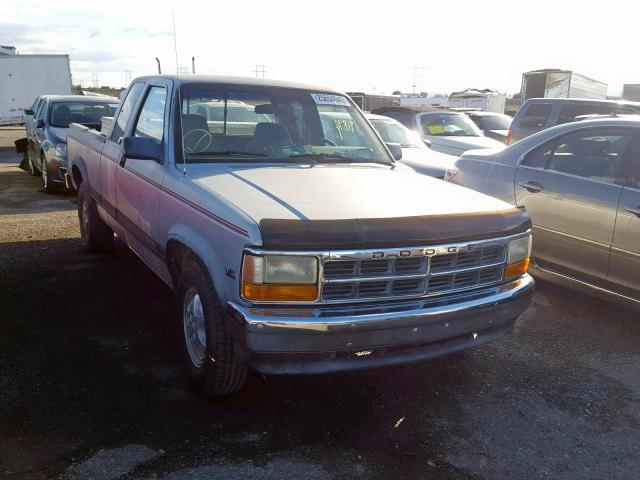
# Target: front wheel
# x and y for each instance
(95, 235)
(207, 345)
(47, 184)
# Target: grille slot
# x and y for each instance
(410, 276)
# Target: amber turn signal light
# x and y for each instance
(279, 292)
(518, 268)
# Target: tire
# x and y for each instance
(95, 235)
(47, 185)
(208, 357)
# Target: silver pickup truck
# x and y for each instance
(292, 241)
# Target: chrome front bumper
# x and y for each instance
(314, 339)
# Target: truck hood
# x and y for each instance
(356, 206)
(330, 192)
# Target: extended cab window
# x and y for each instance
(536, 115)
(125, 111)
(594, 154)
(151, 119)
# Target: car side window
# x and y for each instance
(125, 111)
(42, 109)
(150, 122)
(631, 173)
(405, 118)
(570, 111)
(536, 115)
(596, 154)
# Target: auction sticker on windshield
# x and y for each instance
(328, 99)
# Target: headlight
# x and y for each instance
(61, 149)
(518, 256)
(279, 278)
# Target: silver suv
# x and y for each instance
(536, 114)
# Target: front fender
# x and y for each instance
(191, 239)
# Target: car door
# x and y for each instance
(624, 267)
(38, 133)
(138, 181)
(112, 151)
(569, 188)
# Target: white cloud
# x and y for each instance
(348, 45)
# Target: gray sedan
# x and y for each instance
(580, 183)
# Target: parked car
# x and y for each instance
(415, 152)
(536, 114)
(580, 182)
(449, 132)
(47, 133)
(493, 125)
(291, 252)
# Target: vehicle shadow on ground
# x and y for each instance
(90, 349)
(90, 359)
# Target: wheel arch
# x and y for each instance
(184, 243)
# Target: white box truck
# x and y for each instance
(24, 77)
(487, 100)
(554, 83)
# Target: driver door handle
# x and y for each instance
(531, 186)
(634, 209)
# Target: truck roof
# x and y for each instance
(189, 79)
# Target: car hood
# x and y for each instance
(334, 192)
(464, 143)
(58, 135)
(428, 161)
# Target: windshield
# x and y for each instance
(448, 124)
(493, 122)
(86, 113)
(394, 132)
(274, 123)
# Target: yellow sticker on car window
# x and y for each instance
(435, 129)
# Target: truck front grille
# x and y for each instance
(412, 272)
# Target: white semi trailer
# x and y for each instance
(553, 83)
(24, 77)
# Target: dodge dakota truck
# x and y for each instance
(293, 243)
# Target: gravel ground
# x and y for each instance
(90, 386)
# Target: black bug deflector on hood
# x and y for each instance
(392, 232)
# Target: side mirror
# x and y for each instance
(40, 123)
(28, 111)
(142, 148)
(427, 142)
(396, 150)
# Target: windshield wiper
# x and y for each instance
(228, 153)
(332, 158)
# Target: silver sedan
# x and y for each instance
(580, 183)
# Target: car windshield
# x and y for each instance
(394, 132)
(87, 113)
(449, 124)
(273, 123)
(494, 122)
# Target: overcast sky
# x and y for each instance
(349, 45)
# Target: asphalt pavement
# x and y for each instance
(90, 386)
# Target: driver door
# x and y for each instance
(138, 181)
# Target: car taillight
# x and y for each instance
(508, 139)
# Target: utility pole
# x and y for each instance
(260, 70)
(127, 77)
(94, 80)
(419, 74)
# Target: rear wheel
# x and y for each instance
(95, 235)
(207, 345)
